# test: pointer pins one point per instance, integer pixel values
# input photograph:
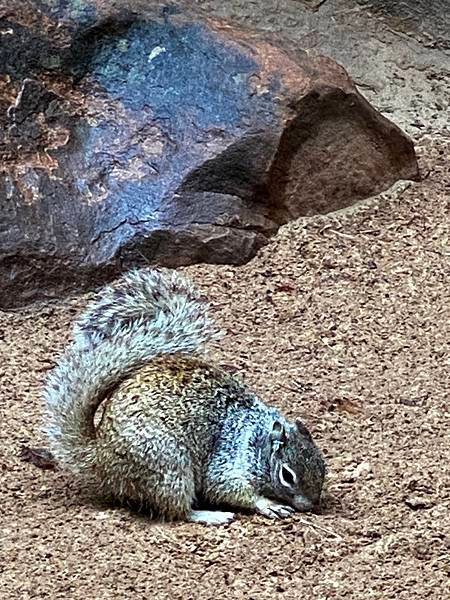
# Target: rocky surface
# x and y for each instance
(398, 53)
(132, 134)
(341, 320)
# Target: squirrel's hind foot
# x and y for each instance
(211, 517)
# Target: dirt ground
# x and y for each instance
(342, 321)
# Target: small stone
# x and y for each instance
(361, 471)
(418, 502)
(102, 515)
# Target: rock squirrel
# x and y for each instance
(175, 433)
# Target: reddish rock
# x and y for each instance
(130, 136)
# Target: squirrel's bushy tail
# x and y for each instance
(145, 314)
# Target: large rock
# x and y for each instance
(130, 136)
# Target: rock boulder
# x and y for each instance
(130, 135)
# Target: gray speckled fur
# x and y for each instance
(174, 429)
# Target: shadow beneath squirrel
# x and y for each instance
(86, 493)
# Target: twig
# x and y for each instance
(324, 529)
(345, 235)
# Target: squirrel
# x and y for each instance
(132, 404)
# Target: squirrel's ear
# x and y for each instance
(302, 429)
(278, 433)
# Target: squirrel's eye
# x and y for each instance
(287, 476)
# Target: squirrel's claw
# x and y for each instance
(273, 510)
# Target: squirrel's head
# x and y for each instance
(297, 469)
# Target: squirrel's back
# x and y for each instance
(146, 314)
(179, 397)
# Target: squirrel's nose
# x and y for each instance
(302, 504)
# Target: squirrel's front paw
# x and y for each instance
(272, 509)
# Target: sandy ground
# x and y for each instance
(341, 320)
